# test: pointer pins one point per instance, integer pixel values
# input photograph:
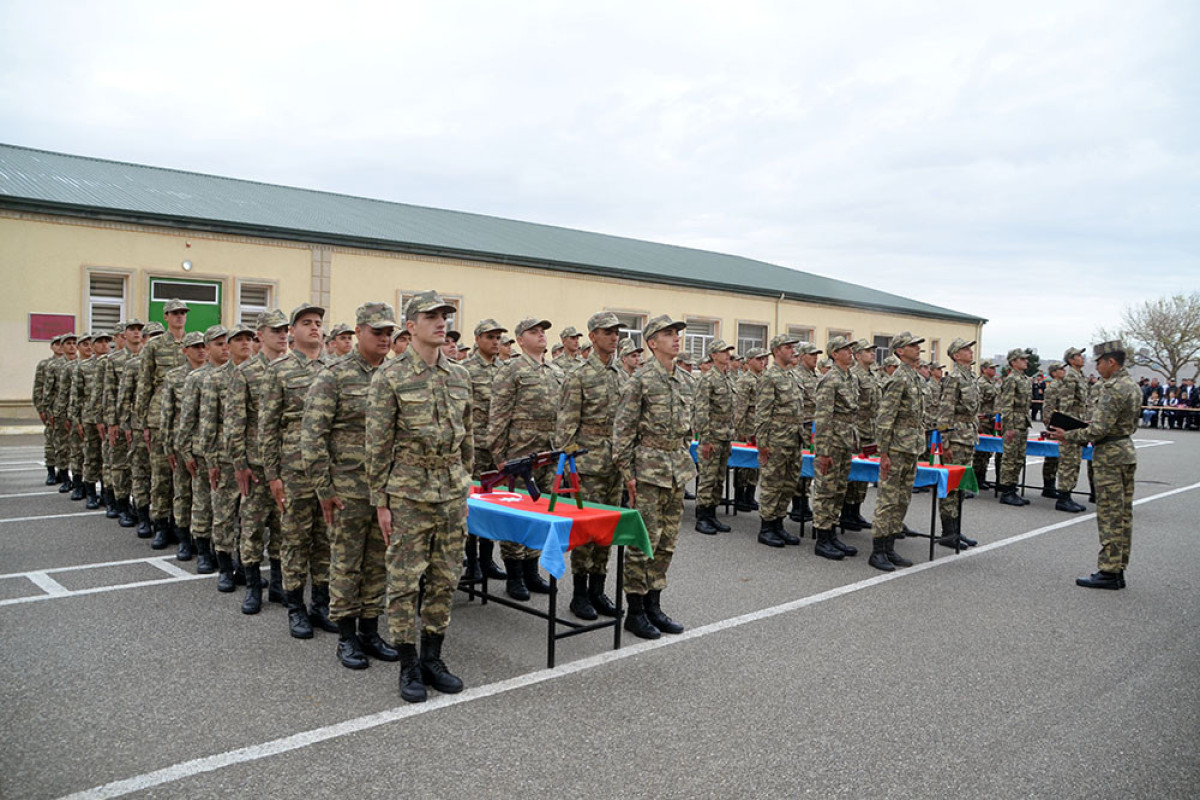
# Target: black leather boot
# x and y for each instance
(412, 688)
(823, 548)
(1065, 503)
(703, 523)
(486, 550)
(894, 557)
(687, 495)
(1009, 496)
(372, 643)
(239, 571)
(64, 481)
(1102, 580)
(275, 585)
(581, 602)
(126, 517)
(783, 533)
(349, 651)
(636, 621)
(252, 602)
(144, 529)
(848, 520)
(847, 549)
(205, 563)
(51, 477)
(77, 490)
(863, 522)
(743, 499)
(225, 572)
(471, 571)
(111, 508)
(534, 581)
(1049, 491)
(716, 523)
(319, 613)
(162, 534)
(515, 582)
(879, 559)
(768, 533)
(949, 537)
(658, 618)
(93, 499)
(604, 606)
(801, 512)
(186, 548)
(433, 670)
(298, 623)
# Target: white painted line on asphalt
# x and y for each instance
(54, 516)
(24, 469)
(51, 587)
(199, 766)
(95, 565)
(41, 464)
(28, 494)
(168, 567)
(16, 601)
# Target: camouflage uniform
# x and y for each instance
(1016, 393)
(186, 443)
(808, 413)
(170, 406)
(83, 412)
(117, 454)
(745, 406)
(901, 429)
(130, 422)
(214, 410)
(1051, 400)
(71, 454)
(957, 418)
(713, 423)
(258, 508)
(869, 395)
(160, 355)
(988, 393)
(39, 404)
(835, 435)
(482, 374)
(1073, 401)
(777, 425)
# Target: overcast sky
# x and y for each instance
(1035, 163)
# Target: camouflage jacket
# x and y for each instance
(586, 411)
(159, 356)
(1114, 420)
(334, 428)
(82, 390)
(50, 383)
(902, 414)
(419, 432)
(808, 381)
(837, 410)
(214, 413)
(958, 411)
(127, 416)
(169, 407)
(745, 404)
(524, 404)
(1051, 399)
(989, 391)
(1074, 397)
(482, 374)
(869, 395)
(39, 383)
(567, 363)
(652, 429)
(241, 416)
(186, 439)
(713, 407)
(1016, 393)
(933, 401)
(1093, 396)
(779, 409)
(113, 368)
(281, 407)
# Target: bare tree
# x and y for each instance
(1164, 334)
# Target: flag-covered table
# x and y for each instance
(515, 517)
(1043, 448)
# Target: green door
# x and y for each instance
(203, 299)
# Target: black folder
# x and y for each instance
(1066, 421)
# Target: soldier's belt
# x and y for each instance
(1107, 439)
(595, 429)
(666, 443)
(429, 461)
(532, 424)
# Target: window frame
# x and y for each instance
(90, 301)
(706, 339)
(766, 334)
(456, 300)
(626, 332)
(240, 305)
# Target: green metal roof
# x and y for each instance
(38, 180)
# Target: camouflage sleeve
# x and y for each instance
(39, 382)
(826, 401)
(504, 393)
(47, 398)
(1004, 402)
(951, 390)
(1050, 400)
(185, 428)
(206, 422)
(763, 410)
(166, 414)
(270, 419)
(702, 411)
(73, 398)
(145, 383)
(95, 402)
(889, 411)
(1106, 417)
(124, 400)
(570, 409)
(380, 435)
(108, 393)
(625, 427)
(742, 390)
(468, 444)
(320, 404)
(235, 419)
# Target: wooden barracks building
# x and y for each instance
(86, 242)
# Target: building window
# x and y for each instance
(832, 332)
(631, 327)
(883, 347)
(935, 348)
(697, 336)
(802, 332)
(202, 292)
(106, 300)
(451, 319)
(254, 299)
(750, 334)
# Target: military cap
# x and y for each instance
(1071, 352)
(339, 329)
(531, 322)
(98, 335)
(396, 334)
(558, 348)
(718, 346)
(1055, 366)
(305, 308)
(661, 323)
(837, 343)
(86, 336)
(685, 357)
(238, 330)
(56, 339)
(453, 336)
(757, 352)
(270, 319)
(1107, 349)
(134, 323)
(706, 360)
(117, 330)
(781, 339)
(826, 363)
(214, 332)
(891, 361)
(904, 339)
(463, 346)
(569, 332)
(377, 314)
(602, 320)
(153, 329)
(808, 349)
(934, 365)
(193, 338)
(861, 344)
(628, 346)
(174, 304)
(987, 365)
(424, 303)
(489, 326)
(957, 344)
(507, 340)
(1017, 352)
(736, 357)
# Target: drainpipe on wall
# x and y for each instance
(778, 315)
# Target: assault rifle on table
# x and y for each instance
(523, 468)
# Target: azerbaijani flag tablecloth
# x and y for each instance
(1046, 448)
(514, 517)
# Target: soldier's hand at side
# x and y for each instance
(764, 453)
(631, 487)
(885, 466)
(384, 515)
(327, 507)
(113, 435)
(101, 430)
(191, 467)
(174, 462)
(79, 430)
(146, 436)
(214, 476)
(1009, 436)
(277, 492)
(706, 451)
(824, 463)
(244, 476)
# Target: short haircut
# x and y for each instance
(1118, 357)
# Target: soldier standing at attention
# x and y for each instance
(713, 411)
(651, 438)
(39, 385)
(341, 341)
(631, 358)
(1016, 394)
(901, 442)
(835, 441)
(525, 397)
(1114, 420)
(333, 439)
(745, 481)
(71, 412)
(87, 394)
(170, 408)
(400, 341)
(117, 437)
(570, 357)
(190, 451)
(957, 418)
(305, 546)
(868, 407)
(777, 429)
(989, 391)
(1051, 402)
(104, 373)
(506, 352)
(419, 474)
(58, 394)
(805, 372)
(133, 427)
(1072, 401)
(159, 357)
(585, 420)
(482, 366)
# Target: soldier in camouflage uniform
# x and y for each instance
(525, 396)
(868, 406)
(1072, 400)
(745, 400)
(333, 440)
(400, 341)
(835, 441)
(778, 414)
(713, 423)
(805, 372)
(58, 396)
(341, 341)
(901, 432)
(1016, 394)
(651, 437)
(1113, 423)
(104, 378)
(631, 358)
(189, 451)
(570, 358)
(482, 366)
(1050, 404)
(133, 426)
(71, 412)
(305, 545)
(170, 409)
(86, 397)
(159, 357)
(43, 411)
(258, 510)
(586, 412)
(118, 441)
(989, 392)
(418, 470)
(957, 419)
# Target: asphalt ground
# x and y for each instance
(984, 674)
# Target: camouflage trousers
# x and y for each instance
(260, 515)
(139, 470)
(511, 550)
(119, 466)
(428, 540)
(661, 508)
(106, 473)
(202, 505)
(48, 443)
(894, 495)
(949, 506)
(62, 444)
(710, 486)
(226, 507)
(1050, 471)
(1069, 456)
(980, 464)
(1014, 459)
(592, 559)
(357, 562)
(779, 477)
(93, 454)
(829, 490)
(804, 485)
(856, 491)
(743, 478)
(75, 445)
(304, 548)
(161, 478)
(1114, 515)
(182, 500)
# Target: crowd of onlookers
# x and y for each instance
(1163, 406)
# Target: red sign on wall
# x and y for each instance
(44, 327)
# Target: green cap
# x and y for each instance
(808, 349)
(377, 314)
(531, 322)
(489, 326)
(305, 308)
(861, 344)
(426, 302)
(659, 324)
(214, 332)
(757, 352)
(602, 321)
(837, 343)
(271, 319)
(904, 340)
(134, 323)
(193, 338)
(238, 330)
(718, 346)
(627, 346)
(781, 339)
(569, 332)
(153, 329)
(1071, 352)
(174, 304)
(1017, 352)
(957, 344)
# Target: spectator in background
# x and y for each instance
(1150, 417)
(1039, 396)
(1174, 418)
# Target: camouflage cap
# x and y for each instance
(935, 365)
(781, 339)
(987, 365)
(153, 329)
(531, 322)
(215, 332)
(193, 338)
(706, 360)
(396, 334)
(825, 363)
(98, 335)
(956, 344)
(134, 323)
(305, 308)
(808, 349)
(891, 361)
(377, 314)
(737, 357)
(685, 357)
(117, 330)
(1017, 352)
(339, 329)
(628, 346)
(271, 319)
(837, 343)
(757, 352)
(860, 344)
(602, 321)
(1055, 366)
(453, 336)
(507, 340)
(86, 336)
(174, 304)
(569, 332)
(463, 347)
(661, 323)
(75, 337)
(489, 326)
(718, 346)
(56, 339)
(238, 330)
(1071, 352)
(1107, 348)
(904, 339)
(424, 303)
(558, 348)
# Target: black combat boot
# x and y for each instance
(783, 533)
(471, 571)
(863, 522)
(112, 509)
(716, 523)
(534, 581)
(963, 540)
(275, 585)
(93, 499)
(848, 521)
(636, 622)
(239, 571)
(77, 490)
(1102, 580)
(144, 529)
(1009, 496)
(433, 670)
(894, 557)
(801, 511)
(847, 549)
(225, 572)
(349, 650)
(64, 480)
(879, 559)
(743, 499)
(186, 548)
(126, 518)
(51, 477)
(657, 616)
(319, 614)
(298, 623)
(162, 534)
(486, 550)
(1049, 491)
(252, 602)
(704, 524)
(604, 607)
(372, 643)
(949, 537)
(768, 533)
(687, 494)
(824, 548)
(1065, 503)
(581, 602)
(205, 563)
(412, 689)
(515, 582)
